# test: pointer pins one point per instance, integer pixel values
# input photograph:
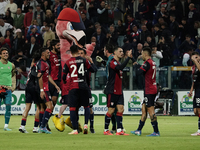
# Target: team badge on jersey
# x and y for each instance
(115, 63)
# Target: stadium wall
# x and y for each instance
(132, 103)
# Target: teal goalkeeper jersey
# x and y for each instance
(109, 59)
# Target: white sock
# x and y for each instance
(22, 127)
(198, 131)
(105, 130)
(6, 125)
(119, 130)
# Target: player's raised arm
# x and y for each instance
(90, 65)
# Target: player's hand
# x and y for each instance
(194, 58)
(42, 95)
(135, 63)
(190, 94)
(58, 89)
(89, 58)
(99, 59)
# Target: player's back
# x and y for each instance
(150, 78)
(77, 66)
(32, 76)
(55, 66)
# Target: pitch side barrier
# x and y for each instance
(132, 103)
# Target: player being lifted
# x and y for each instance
(76, 66)
(82, 53)
(148, 69)
(196, 87)
(42, 68)
(115, 98)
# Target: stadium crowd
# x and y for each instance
(170, 27)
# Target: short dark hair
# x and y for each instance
(82, 49)
(147, 49)
(54, 42)
(3, 49)
(43, 49)
(23, 68)
(74, 49)
(195, 53)
(110, 48)
(30, 7)
(187, 35)
(115, 48)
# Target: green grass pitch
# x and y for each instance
(175, 134)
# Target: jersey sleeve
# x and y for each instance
(65, 72)
(144, 68)
(40, 67)
(114, 65)
(90, 67)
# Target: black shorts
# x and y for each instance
(196, 99)
(32, 96)
(90, 98)
(113, 100)
(149, 99)
(47, 98)
(52, 89)
(64, 100)
(78, 97)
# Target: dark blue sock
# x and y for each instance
(141, 124)
(87, 114)
(107, 120)
(36, 123)
(199, 124)
(92, 121)
(73, 117)
(155, 126)
(23, 122)
(119, 120)
(41, 114)
(46, 116)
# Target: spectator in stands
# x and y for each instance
(36, 34)
(183, 29)
(186, 57)
(45, 6)
(197, 32)
(8, 18)
(49, 17)
(12, 7)
(9, 38)
(103, 12)
(85, 20)
(192, 15)
(162, 3)
(97, 25)
(112, 36)
(19, 59)
(157, 33)
(198, 49)
(135, 35)
(121, 31)
(188, 43)
(174, 28)
(92, 10)
(48, 44)
(28, 19)
(127, 45)
(166, 33)
(48, 35)
(39, 15)
(19, 41)
(18, 19)
(128, 4)
(25, 7)
(85, 4)
(21, 77)
(100, 40)
(34, 23)
(143, 10)
(174, 12)
(149, 42)
(2, 8)
(89, 32)
(163, 13)
(138, 52)
(4, 44)
(144, 33)
(34, 4)
(57, 7)
(131, 22)
(70, 3)
(4, 26)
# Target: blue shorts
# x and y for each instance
(8, 98)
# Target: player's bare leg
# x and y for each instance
(197, 113)
(119, 118)
(142, 121)
(62, 109)
(107, 120)
(37, 119)
(54, 100)
(24, 117)
(153, 121)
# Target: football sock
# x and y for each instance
(36, 123)
(113, 118)
(87, 114)
(141, 124)
(107, 120)
(73, 117)
(155, 126)
(199, 122)
(92, 120)
(46, 116)
(40, 117)
(119, 120)
(7, 114)
(23, 122)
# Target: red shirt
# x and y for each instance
(55, 66)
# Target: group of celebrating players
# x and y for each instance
(46, 77)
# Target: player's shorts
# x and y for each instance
(196, 99)
(64, 100)
(78, 97)
(32, 95)
(47, 98)
(52, 89)
(90, 98)
(113, 100)
(8, 98)
(149, 99)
